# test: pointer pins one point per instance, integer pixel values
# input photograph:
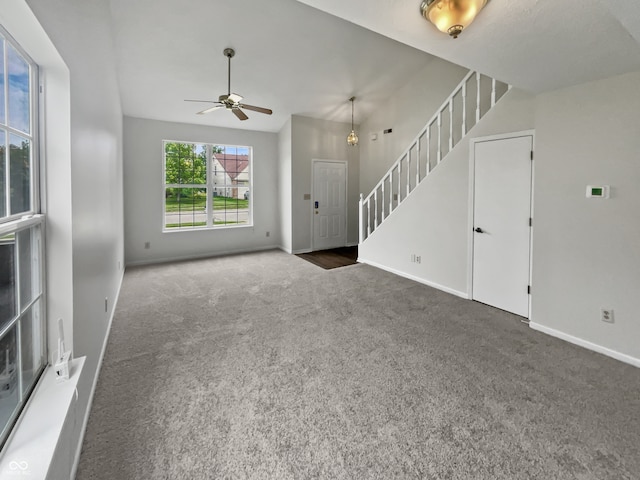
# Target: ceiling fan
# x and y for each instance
(231, 101)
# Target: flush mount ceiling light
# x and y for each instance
(352, 139)
(451, 16)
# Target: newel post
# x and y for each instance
(361, 219)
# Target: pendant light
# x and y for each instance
(451, 16)
(352, 139)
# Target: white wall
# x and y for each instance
(284, 186)
(92, 229)
(433, 221)
(144, 190)
(314, 139)
(406, 112)
(587, 251)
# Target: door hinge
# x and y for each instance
(529, 289)
(531, 154)
(530, 222)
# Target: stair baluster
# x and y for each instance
(374, 215)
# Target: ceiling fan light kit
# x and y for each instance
(451, 16)
(231, 101)
(352, 138)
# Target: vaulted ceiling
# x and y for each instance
(308, 57)
(289, 57)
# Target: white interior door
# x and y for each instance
(329, 204)
(502, 210)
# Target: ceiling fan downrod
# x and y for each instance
(229, 53)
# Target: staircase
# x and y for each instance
(474, 96)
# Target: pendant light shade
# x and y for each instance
(451, 16)
(352, 138)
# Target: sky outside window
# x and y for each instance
(2, 119)
(18, 74)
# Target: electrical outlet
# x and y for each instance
(106, 304)
(147, 245)
(606, 315)
(418, 259)
(268, 234)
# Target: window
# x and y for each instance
(22, 323)
(206, 186)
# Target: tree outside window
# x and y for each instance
(206, 186)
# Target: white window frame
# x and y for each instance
(210, 187)
(18, 222)
(33, 130)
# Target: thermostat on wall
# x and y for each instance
(597, 191)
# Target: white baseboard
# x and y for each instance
(586, 344)
(414, 278)
(85, 421)
(153, 261)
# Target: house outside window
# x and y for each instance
(23, 353)
(206, 186)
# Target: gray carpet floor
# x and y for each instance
(265, 366)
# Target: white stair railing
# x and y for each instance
(475, 92)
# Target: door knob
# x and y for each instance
(478, 230)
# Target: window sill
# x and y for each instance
(207, 229)
(33, 444)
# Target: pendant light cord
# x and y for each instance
(352, 99)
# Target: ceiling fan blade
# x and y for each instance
(201, 101)
(266, 111)
(239, 113)
(209, 110)
(235, 98)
